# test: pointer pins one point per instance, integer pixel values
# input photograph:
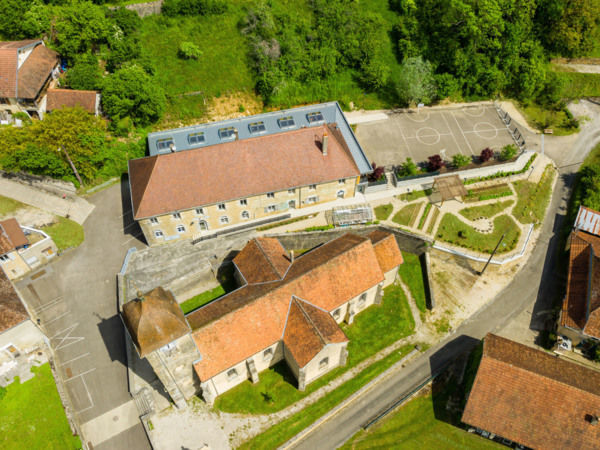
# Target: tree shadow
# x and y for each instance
(130, 225)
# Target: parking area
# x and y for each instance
(418, 135)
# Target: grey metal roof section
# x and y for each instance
(588, 220)
(331, 112)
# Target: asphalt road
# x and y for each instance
(75, 299)
(534, 286)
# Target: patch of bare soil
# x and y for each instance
(31, 217)
(235, 105)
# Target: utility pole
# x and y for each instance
(492, 255)
(72, 165)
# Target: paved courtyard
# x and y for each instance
(418, 135)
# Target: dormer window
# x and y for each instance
(164, 144)
(286, 122)
(227, 133)
(315, 117)
(257, 127)
(196, 138)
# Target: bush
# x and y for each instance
(407, 169)
(435, 162)
(171, 8)
(378, 173)
(189, 50)
(85, 73)
(486, 154)
(508, 152)
(127, 20)
(460, 160)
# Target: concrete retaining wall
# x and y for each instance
(50, 185)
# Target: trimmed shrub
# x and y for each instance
(189, 50)
(435, 162)
(486, 154)
(459, 160)
(508, 152)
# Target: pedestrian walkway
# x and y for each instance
(71, 207)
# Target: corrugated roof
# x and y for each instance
(534, 398)
(178, 181)
(588, 220)
(272, 122)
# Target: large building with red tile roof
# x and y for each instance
(198, 180)
(533, 398)
(580, 314)
(26, 70)
(287, 308)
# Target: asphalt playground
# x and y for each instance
(420, 134)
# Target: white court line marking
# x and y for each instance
(56, 318)
(481, 108)
(74, 359)
(405, 142)
(481, 133)
(453, 137)
(418, 121)
(81, 374)
(88, 393)
(420, 137)
(461, 130)
(68, 336)
(428, 135)
(48, 305)
(488, 129)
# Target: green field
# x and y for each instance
(33, 416)
(474, 212)
(373, 329)
(8, 205)
(65, 233)
(455, 231)
(408, 215)
(382, 212)
(533, 198)
(578, 85)
(411, 273)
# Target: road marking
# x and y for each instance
(461, 130)
(405, 141)
(46, 322)
(45, 306)
(74, 359)
(87, 392)
(453, 137)
(72, 339)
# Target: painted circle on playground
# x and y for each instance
(428, 136)
(419, 117)
(474, 111)
(485, 130)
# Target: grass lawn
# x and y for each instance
(279, 433)
(33, 416)
(488, 193)
(227, 285)
(411, 274)
(456, 232)
(8, 205)
(533, 198)
(408, 215)
(424, 216)
(417, 425)
(474, 212)
(414, 195)
(541, 118)
(65, 233)
(382, 212)
(373, 329)
(578, 85)
(430, 227)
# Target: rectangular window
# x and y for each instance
(164, 144)
(291, 191)
(336, 314)
(232, 374)
(196, 138)
(312, 199)
(221, 207)
(227, 133)
(158, 233)
(224, 219)
(243, 202)
(200, 211)
(362, 299)
(4, 258)
(245, 215)
(257, 127)
(176, 215)
(341, 181)
(271, 195)
(286, 122)
(268, 353)
(314, 117)
(180, 229)
(312, 187)
(323, 363)
(271, 208)
(153, 220)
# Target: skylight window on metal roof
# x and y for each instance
(286, 122)
(315, 117)
(227, 133)
(257, 127)
(164, 144)
(196, 138)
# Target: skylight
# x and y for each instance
(226, 133)
(196, 138)
(257, 127)
(286, 122)
(315, 117)
(164, 144)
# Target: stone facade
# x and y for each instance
(14, 265)
(206, 219)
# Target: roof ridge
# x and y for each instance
(309, 319)
(267, 257)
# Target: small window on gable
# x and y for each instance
(200, 211)
(153, 220)
(257, 127)
(323, 363)
(227, 133)
(271, 195)
(221, 207)
(268, 353)
(164, 144)
(196, 138)
(176, 215)
(286, 122)
(243, 202)
(315, 117)
(232, 374)
(158, 233)
(336, 314)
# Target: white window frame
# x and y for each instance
(291, 191)
(341, 191)
(312, 187)
(159, 234)
(362, 299)
(180, 228)
(324, 363)
(224, 220)
(311, 200)
(267, 354)
(271, 208)
(336, 314)
(176, 216)
(222, 207)
(200, 211)
(4, 258)
(342, 181)
(154, 220)
(244, 202)
(271, 195)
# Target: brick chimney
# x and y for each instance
(324, 143)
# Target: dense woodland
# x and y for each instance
(370, 53)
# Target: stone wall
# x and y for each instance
(58, 187)
(145, 9)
